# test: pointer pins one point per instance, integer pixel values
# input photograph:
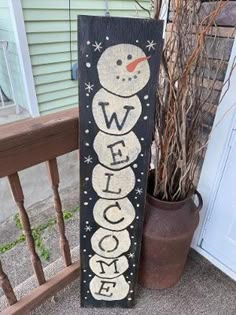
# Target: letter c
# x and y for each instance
(116, 205)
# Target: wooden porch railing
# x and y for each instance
(22, 145)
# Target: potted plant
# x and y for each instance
(185, 97)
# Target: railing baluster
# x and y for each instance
(6, 286)
(53, 176)
(18, 196)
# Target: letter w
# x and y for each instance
(119, 125)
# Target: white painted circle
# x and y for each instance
(116, 152)
(114, 104)
(108, 267)
(114, 215)
(114, 292)
(123, 69)
(110, 244)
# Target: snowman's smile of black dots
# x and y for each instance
(129, 78)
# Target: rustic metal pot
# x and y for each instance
(168, 232)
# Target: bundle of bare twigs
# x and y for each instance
(187, 82)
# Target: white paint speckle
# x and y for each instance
(138, 180)
(84, 250)
(88, 42)
(86, 56)
(86, 203)
(146, 97)
(137, 217)
(132, 236)
(131, 291)
(88, 64)
(135, 166)
(87, 94)
(86, 178)
(145, 117)
(138, 205)
(142, 139)
(85, 297)
(87, 106)
(131, 274)
(148, 104)
(84, 236)
(84, 281)
(141, 154)
(89, 122)
(137, 41)
(142, 173)
(86, 131)
(107, 38)
(85, 192)
(90, 198)
(87, 144)
(85, 270)
(87, 222)
(90, 276)
(131, 226)
(90, 256)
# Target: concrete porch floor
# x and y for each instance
(8, 114)
(203, 289)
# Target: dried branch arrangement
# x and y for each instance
(188, 82)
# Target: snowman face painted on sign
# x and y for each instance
(123, 69)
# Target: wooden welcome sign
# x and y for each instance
(119, 62)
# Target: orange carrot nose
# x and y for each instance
(132, 65)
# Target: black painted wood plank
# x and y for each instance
(119, 61)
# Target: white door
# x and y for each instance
(219, 238)
(215, 237)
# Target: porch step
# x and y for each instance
(31, 283)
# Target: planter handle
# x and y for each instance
(200, 202)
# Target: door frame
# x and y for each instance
(215, 159)
(17, 19)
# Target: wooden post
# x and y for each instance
(6, 287)
(53, 176)
(18, 196)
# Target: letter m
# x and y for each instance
(102, 263)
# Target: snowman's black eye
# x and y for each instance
(119, 62)
(129, 57)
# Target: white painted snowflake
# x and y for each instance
(89, 87)
(150, 45)
(139, 191)
(88, 159)
(97, 46)
(88, 228)
(131, 255)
